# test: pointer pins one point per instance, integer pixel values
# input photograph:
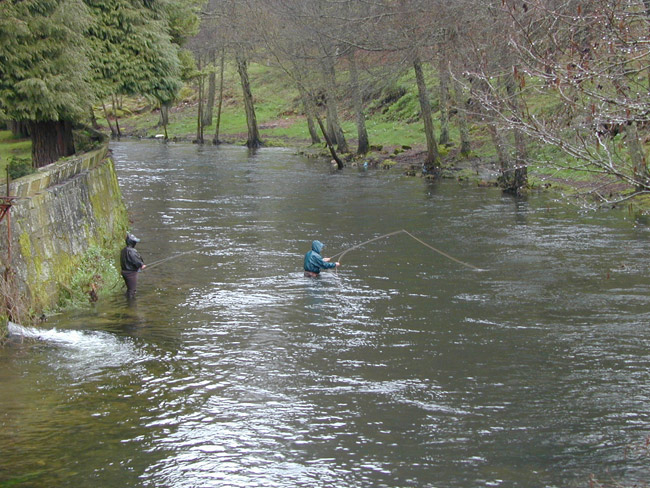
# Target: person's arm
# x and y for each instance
(136, 259)
(327, 264)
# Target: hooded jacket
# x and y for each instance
(313, 259)
(130, 259)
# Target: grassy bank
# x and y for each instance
(392, 120)
(393, 127)
(12, 148)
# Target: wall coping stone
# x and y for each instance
(57, 172)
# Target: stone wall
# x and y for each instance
(60, 212)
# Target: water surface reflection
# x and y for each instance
(402, 369)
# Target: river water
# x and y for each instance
(404, 369)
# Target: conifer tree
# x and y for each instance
(44, 75)
(58, 56)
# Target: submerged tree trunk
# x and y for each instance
(220, 103)
(51, 140)
(254, 140)
(362, 134)
(432, 162)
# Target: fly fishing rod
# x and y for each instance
(403, 231)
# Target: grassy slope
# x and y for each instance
(278, 115)
(390, 126)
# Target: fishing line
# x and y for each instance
(341, 254)
(403, 231)
(160, 261)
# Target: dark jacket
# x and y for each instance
(130, 259)
(314, 261)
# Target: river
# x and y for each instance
(403, 369)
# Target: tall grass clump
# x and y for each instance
(97, 275)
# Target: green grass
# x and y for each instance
(11, 147)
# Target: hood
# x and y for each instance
(317, 246)
(131, 240)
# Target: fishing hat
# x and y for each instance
(131, 238)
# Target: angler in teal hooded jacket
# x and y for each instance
(314, 262)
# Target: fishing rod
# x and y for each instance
(404, 231)
(160, 261)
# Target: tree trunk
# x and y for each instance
(51, 140)
(118, 132)
(330, 145)
(362, 134)
(108, 121)
(515, 177)
(19, 129)
(499, 145)
(335, 132)
(254, 140)
(93, 120)
(164, 117)
(212, 82)
(465, 144)
(199, 116)
(432, 163)
(218, 124)
(638, 158)
(310, 118)
(444, 97)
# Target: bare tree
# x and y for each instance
(588, 61)
(363, 145)
(233, 29)
(220, 103)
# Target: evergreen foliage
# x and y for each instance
(134, 52)
(58, 56)
(43, 62)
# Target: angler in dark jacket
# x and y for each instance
(131, 263)
(314, 262)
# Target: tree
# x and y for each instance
(134, 52)
(362, 134)
(44, 73)
(230, 24)
(61, 55)
(589, 62)
(254, 140)
(294, 51)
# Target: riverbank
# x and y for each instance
(65, 224)
(392, 122)
(479, 168)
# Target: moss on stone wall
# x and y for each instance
(56, 228)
